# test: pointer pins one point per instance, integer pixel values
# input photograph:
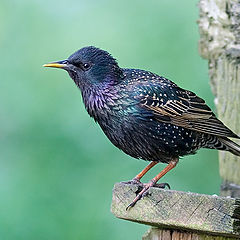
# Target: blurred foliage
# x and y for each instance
(57, 168)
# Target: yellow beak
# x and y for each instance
(60, 64)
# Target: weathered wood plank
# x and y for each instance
(163, 234)
(179, 210)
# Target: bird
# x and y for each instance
(145, 115)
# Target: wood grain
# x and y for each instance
(163, 234)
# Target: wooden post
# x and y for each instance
(161, 234)
(191, 215)
(188, 216)
(219, 27)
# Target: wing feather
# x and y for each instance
(184, 108)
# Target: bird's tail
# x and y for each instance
(230, 145)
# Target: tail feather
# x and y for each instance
(230, 146)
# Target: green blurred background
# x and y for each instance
(57, 169)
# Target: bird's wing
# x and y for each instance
(172, 104)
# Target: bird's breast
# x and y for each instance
(103, 104)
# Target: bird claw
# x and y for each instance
(129, 206)
(132, 204)
(162, 185)
(134, 181)
(140, 194)
(137, 182)
(144, 192)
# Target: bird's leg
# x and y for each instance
(144, 191)
(136, 179)
(144, 171)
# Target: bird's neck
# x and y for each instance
(98, 99)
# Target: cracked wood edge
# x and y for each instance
(164, 234)
(179, 210)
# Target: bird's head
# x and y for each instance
(90, 66)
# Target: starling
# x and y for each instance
(145, 115)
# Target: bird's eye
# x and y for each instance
(86, 66)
